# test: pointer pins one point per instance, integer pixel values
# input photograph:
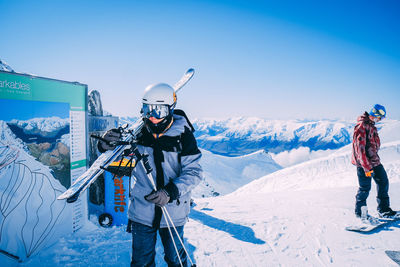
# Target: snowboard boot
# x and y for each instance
(387, 213)
(362, 213)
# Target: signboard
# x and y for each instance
(43, 136)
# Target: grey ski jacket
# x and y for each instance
(180, 165)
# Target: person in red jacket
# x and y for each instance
(366, 144)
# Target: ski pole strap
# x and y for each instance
(158, 158)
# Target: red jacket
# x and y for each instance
(366, 144)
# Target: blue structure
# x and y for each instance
(116, 199)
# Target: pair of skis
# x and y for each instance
(108, 157)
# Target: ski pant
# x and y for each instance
(144, 242)
(382, 188)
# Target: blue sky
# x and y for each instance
(273, 59)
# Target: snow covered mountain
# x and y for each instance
(46, 127)
(241, 136)
(47, 140)
(5, 67)
(223, 175)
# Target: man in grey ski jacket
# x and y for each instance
(168, 140)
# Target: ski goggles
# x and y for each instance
(378, 112)
(156, 111)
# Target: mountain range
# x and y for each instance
(240, 136)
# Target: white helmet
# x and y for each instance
(159, 101)
(159, 94)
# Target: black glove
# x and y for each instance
(111, 135)
(159, 197)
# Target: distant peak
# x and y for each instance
(5, 67)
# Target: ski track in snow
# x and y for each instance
(290, 229)
(299, 228)
(281, 230)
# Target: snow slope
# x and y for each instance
(334, 170)
(223, 175)
(288, 228)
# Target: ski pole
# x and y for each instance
(172, 237)
(146, 165)
(180, 240)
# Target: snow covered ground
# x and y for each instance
(298, 228)
(291, 217)
(298, 223)
(295, 228)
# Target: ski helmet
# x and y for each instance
(159, 101)
(378, 111)
(160, 93)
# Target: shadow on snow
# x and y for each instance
(240, 232)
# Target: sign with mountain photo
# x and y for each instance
(42, 149)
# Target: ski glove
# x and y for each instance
(159, 197)
(163, 196)
(370, 173)
(111, 135)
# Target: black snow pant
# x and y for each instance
(382, 188)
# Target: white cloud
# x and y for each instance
(298, 155)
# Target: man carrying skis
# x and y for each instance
(366, 144)
(168, 140)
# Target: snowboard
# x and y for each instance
(108, 157)
(394, 255)
(371, 223)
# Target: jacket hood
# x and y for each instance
(365, 119)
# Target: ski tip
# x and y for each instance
(64, 195)
(61, 197)
(184, 80)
